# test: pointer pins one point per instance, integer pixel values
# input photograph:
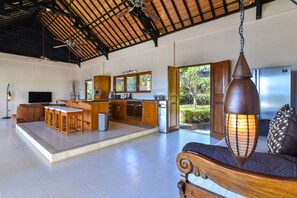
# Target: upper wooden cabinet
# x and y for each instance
(102, 83)
(119, 84)
(133, 83)
(145, 82)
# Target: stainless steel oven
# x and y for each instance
(134, 109)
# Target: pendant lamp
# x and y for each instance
(241, 107)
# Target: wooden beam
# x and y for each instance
(199, 10)
(17, 7)
(188, 12)
(147, 24)
(167, 14)
(259, 4)
(87, 32)
(212, 8)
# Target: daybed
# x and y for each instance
(213, 168)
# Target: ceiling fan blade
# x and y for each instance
(125, 11)
(57, 39)
(58, 46)
(152, 15)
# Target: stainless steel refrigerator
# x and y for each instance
(274, 87)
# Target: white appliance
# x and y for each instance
(163, 116)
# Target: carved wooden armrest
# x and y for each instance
(240, 181)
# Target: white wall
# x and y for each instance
(28, 74)
(270, 41)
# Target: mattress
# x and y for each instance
(212, 186)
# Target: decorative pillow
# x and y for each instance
(283, 131)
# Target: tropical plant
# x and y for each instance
(195, 82)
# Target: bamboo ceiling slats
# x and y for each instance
(94, 22)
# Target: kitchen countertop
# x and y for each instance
(103, 100)
(135, 99)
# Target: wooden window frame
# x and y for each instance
(86, 86)
(137, 82)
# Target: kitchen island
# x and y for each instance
(139, 111)
(91, 109)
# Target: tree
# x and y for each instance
(194, 81)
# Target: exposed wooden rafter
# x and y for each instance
(95, 24)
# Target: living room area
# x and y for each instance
(145, 161)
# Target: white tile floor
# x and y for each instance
(141, 168)
(61, 142)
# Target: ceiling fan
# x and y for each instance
(139, 4)
(70, 43)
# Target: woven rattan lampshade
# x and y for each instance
(241, 108)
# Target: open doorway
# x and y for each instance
(195, 98)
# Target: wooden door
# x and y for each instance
(173, 98)
(220, 77)
(150, 113)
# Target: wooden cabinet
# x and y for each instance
(91, 110)
(122, 109)
(150, 113)
(102, 83)
(117, 109)
(147, 115)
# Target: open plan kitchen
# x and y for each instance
(118, 105)
(101, 118)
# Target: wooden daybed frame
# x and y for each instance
(242, 182)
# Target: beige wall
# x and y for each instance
(28, 74)
(270, 41)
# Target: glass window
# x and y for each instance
(131, 83)
(136, 82)
(120, 84)
(145, 82)
(88, 89)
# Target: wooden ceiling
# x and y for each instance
(94, 24)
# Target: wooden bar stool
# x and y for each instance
(56, 119)
(50, 116)
(46, 114)
(71, 119)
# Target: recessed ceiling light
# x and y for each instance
(48, 9)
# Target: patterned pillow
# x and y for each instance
(278, 129)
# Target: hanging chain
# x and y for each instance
(241, 4)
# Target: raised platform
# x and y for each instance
(56, 146)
